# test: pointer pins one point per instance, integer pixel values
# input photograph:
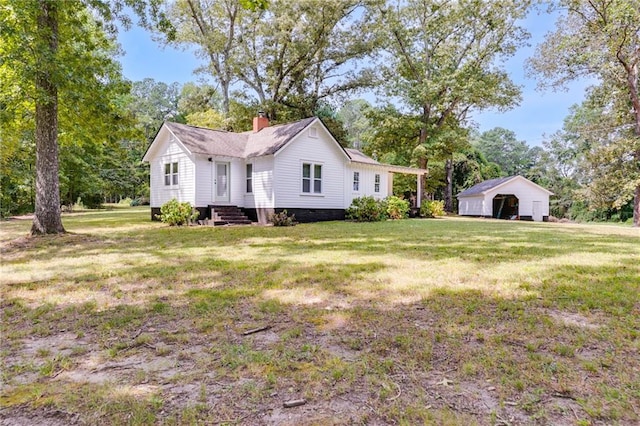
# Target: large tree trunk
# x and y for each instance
(636, 207)
(47, 219)
(448, 191)
(423, 163)
(632, 81)
(636, 198)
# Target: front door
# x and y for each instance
(221, 183)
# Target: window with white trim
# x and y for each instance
(249, 178)
(376, 183)
(311, 178)
(171, 174)
(356, 181)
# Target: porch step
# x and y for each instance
(228, 215)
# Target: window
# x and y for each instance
(317, 179)
(171, 174)
(312, 178)
(249, 178)
(313, 132)
(376, 185)
(356, 181)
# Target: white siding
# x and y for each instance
(471, 206)
(204, 181)
(236, 181)
(367, 182)
(205, 178)
(526, 193)
(263, 195)
(170, 151)
(288, 172)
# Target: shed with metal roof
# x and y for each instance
(512, 197)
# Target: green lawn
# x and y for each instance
(445, 321)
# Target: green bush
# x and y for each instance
(367, 209)
(125, 201)
(283, 219)
(397, 208)
(432, 208)
(176, 213)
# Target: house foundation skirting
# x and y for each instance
(302, 215)
(262, 215)
(315, 215)
(525, 218)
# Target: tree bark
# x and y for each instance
(423, 163)
(47, 218)
(636, 208)
(632, 83)
(448, 192)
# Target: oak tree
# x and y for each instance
(54, 54)
(601, 38)
(442, 62)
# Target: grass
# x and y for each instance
(448, 321)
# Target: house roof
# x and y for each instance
(199, 140)
(358, 157)
(486, 186)
(268, 141)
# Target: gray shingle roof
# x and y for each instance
(199, 140)
(269, 140)
(484, 186)
(359, 157)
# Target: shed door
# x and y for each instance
(536, 211)
(222, 182)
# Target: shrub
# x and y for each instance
(367, 209)
(176, 213)
(397, 208)
(125, 201)
(78, 205)
(282, 219)
(432, 208)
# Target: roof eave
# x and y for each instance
(393, 168)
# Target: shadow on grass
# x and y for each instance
(454, 356)
(477, 241)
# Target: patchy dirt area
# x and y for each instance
(346, 372)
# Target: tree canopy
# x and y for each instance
(600, 38)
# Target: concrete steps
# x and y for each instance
(228, 215)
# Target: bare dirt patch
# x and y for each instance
(573, 319)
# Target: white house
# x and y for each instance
(513, 197)
(298, 166)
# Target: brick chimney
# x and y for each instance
(260, 122)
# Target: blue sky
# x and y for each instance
(539, 113)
